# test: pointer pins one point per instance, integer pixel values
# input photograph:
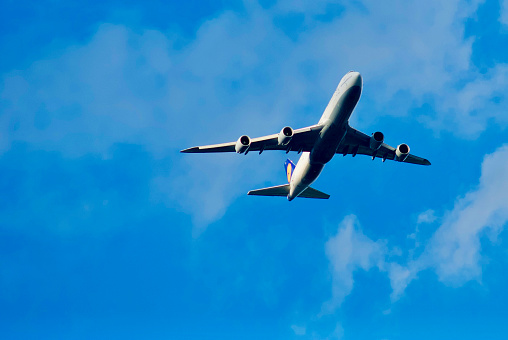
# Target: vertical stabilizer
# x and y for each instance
(290, 167)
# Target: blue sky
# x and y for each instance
(107, 231)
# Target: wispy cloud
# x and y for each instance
(503, 18)
(349, 251)
(427, 216)
(453, 250)
(127, 87)
(299, 330)
(467, 110)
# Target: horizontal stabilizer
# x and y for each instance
(313, 193)
(279, 190)
(283, 190)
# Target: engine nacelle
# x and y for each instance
(242, 144)
(285, 135)
(376, 140)
(402, 152)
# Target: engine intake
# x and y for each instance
(285, 135)
(242, 144)
(376, 140)
(402, 152)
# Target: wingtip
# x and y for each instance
(190, 150)
(427, 162)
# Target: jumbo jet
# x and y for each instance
(318, 144)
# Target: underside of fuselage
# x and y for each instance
(335, 127)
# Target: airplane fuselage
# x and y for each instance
(335, 122)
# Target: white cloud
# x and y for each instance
(454, 250)
(347, 252)
(89, 97)
(338, 333)
(400, 277)
(131, 87)
(299, 330)
(468, 109)
(335, 333)
(503, 18)
(427, 216)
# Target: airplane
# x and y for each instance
(318, 144)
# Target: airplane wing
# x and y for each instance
(357, 142)
(303, 140)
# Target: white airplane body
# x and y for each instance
(318, 144)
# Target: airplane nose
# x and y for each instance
(356, 79)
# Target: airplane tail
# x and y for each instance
(290, 167)
(283, 190)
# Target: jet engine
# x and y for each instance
(242, 144)
(376, 140)
(285, 135)
(402, 152)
